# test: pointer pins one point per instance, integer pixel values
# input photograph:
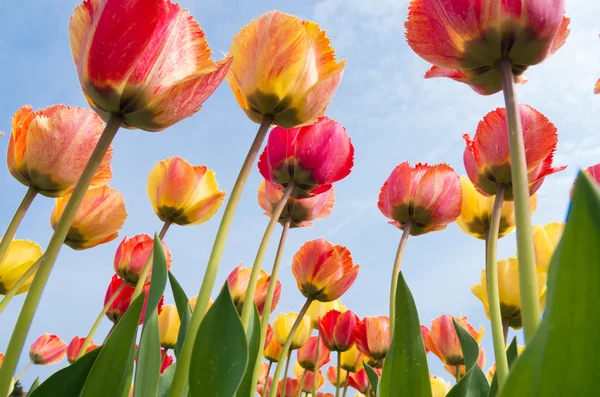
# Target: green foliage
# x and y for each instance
(373, 377)
(253, 337)
(474, 383)
(183, 309)
(512, 354)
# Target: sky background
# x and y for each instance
(391, 113)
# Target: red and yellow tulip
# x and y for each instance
(307, 377)
(168, 326)
(75, 346)
(352, 359)
(442, 340)
(360, 380)
(373, 337)
(318, 310)
(238, 283)
(131, 257)
(332, 376)
(282, 325)
(307, 354)
(120, 305)
(273, 348)
(47, 349)
(545, 240)
(338, 330)
(291, 387)
(21, 255)
(594, 172)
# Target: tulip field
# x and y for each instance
(346, 228)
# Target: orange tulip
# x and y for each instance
(308, 378)
(273, 348)
(360, 380)
(332, 376)
(182, 193)
(597, 87)
(146, 60)
(98, 219)
(291, 387)
(323, 271)
(262, 375)
(373, 337)
(1, 359)
(132, 254)
(442, 340)
(49, 148)
(283, 67)
(238, 283)
(75, 346)
(47, 349)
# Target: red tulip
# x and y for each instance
(307, 354)
(373, 336)
(429, 197)
(338, 330)
(75, 346)
(167, 360)
(131, 257)
(47, 349)
(123, 300)
(238, 283)
(465, 39)
(443, 341)
(312, 157)
(487, 156)
(594, 172)
(424, 331)
(360, 380)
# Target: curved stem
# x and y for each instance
(314, 385)
(346, 384)
(23, 371)
(182, 369)
(260, 255)
(264, 321)
(530, 306)
(491, 271)
(395, 273)
(49, 257)
(339, 373)
(148, 265)
(15, 288)
(88, 338)
(285, 374)
(302, 382)
(16, 221)
(287, 344)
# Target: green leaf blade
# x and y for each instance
(253, 337)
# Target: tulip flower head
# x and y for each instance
(273, 348)
(323, 271)
(168, 326)
(291, 387)
(262, 375)
(238, 283)
(338, 330)
(332, 376)
(426, 197)
(75, 346)
(49, 148)
(307, 354)
(182, 193)
(19, 257)
(131, 257)
(373, 337)
(47, 349)
(317, 310)
(300, 211)
(360, 380)
(508, 286)
(487, 155)
(311, 157)
(282, 326)
(98, 219)
(283, 68)
(465, 40)
(153, 71)
(352, 359)
(167, 360)
(120, 305)
(439, 386)
(441, 338)
(463, 368)
(545, 240)
(307, 376)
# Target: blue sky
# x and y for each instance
(390, 112)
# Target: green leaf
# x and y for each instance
(253, 338)
(474, 383)
(159, 277)
(373, 377)
(405, 372)
(511, 354)
(468, 345)
(106, 378)
(68, 381)
(220, 351)
(183, 309)
(164, 383)
(34, 386)
(559, 361)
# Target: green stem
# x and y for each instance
(505, 322)
(183, 367)
(285, 374)
(530, 306)
(302, 382)
(16, 221)
(491, 271)
(268, 372)
(139, 286)
(264, 321)
(23, 371)
(314, 385)
(396, 272)
(345, 384)
(260, 255)
(287, 344)
(339, 373)
(90, 335)
(15, 288)
(457, 368)
(49, 257)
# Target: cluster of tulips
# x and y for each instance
(146, 64)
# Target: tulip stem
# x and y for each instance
(457, 369)
(181, 371)
(103, 312)
(302, 382)
(15, 288)
(268, 370)
(345, 385)
(286, 346)
(339, 373)
(260, 254)
(264, 321)
(314, 385)
(530, 306)
(285, 373)
(505, 329)
(23, 371)
(16, 221)
(48, 259)
(396, 271)
(491, 271)
(148, 265)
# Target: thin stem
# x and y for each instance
(260, 255)
(268, 372)
(287, 344)
(339, 373)
(302, 382)
(16, 221)
(505, 322)
(285, 373)
(457, 369)
(139, 286)
(396, 272)
(314, 385)
(23, 371)
(90, 335)
(345, 384)
(210, 275)
(15, 288)
(530, 306)
(264, 321)
(47, 261)
(491, 271)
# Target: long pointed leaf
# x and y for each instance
(373, 377)
(183, 309)
(164, 383)
(511, 354)
(474, 383)
(253, 338)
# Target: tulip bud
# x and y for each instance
(332, 376)
(132, 255)
(338, 330)
(282, 326)
(308, 377)
(168, 326)
(47, 349)
(75, 346)
(307, 354)
(360, 380)
(238, 283)
(123, 300)
(19, 257)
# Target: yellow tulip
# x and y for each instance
(318, 309)
(21, 255)
(545, 240)
(168, 325)
(352, 360)
(439, 386)
(283, 325)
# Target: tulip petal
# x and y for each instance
(561, 36)
(597, 88)
(280, 146)
(203, 210)
(396, 191)
(439, 192)
(171, 182)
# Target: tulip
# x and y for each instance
(424, 331)
(545, 240)
(593, 172)
(283, 324)
(360, 380)
(21, 255)
(373, 337)
(306, 378)
(75, 346)
(311, 157)
(426, 197)
(182, 193)
(47, 349)
(323, 271)
(338, 330)
(487, 157)
(317, 310)
(307, 354)
(439, 387)
(238, 283)
(121, 303)
(300, 211)
(97, 220)
(131, 257)
(168, 326)
(442, 340)
(462, 368)
(49, 148)
(465, 41)
(291, 387)
(264, 372)
(352, 360)
(283, 68)
(508, 285)
(273, 348)
(332, 377)
(476, 213)
(324, 394)
(154, 70)
(167, 360)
